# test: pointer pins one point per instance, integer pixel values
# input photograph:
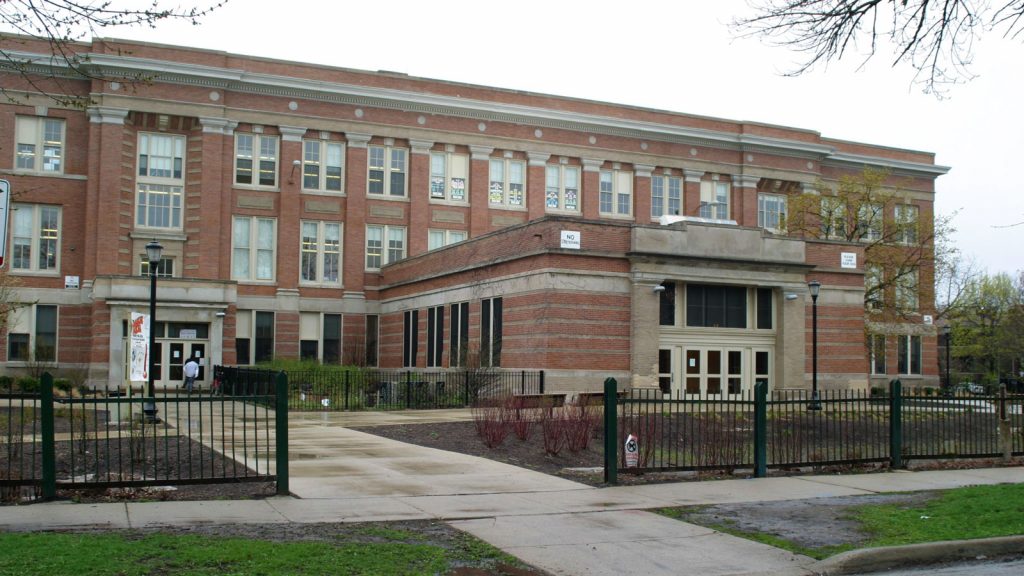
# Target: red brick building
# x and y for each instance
(352, 216)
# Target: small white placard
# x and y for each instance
(927, 319)
(848, 259)
(71, 282)
(570, 239)
(187, 334)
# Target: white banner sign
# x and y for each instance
(139, 336)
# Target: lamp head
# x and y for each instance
(153, 251)
(814, 286)
(659, 288)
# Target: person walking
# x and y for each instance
(191, 372)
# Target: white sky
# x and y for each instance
(673, 55)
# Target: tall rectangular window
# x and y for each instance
(716, 306)
(410, 337)
(387, 171)
(160, 181)
(35, 238)
(435, 336)
(323, 165)
(869, 222)
(384, 245)
(32, 334)
(876, 345)
(490, 332)
(332, 339)
(666, 196)
(562, 188)
(833, 218)
(164, 268)
(909, 354)
(771, 212)
(449, 176)
(320, 253)
(507, 187)
(256, 160)
(40, 144)
(907, 291)
(667, 304)
(441, 238)
(874, 299)
(907, 222)
(714, 199)
(372, 339)
(458, 342)
(309, 336)
(253, 244)
(264, 337)
(616, 193)
(765, 298)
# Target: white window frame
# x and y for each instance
(449, 177)
(35, 239)
(394, 160)
(165, 269)
(386, 252)
(256, 248)
(160, 198)
(667, 192)
(908, 287)
(257, 156)
(321, 250)
(832, 214)
(771, 212)
(616, 193)
(908, 219)
(905, 349)
(502, 178)
(559, 194)
(869, 222)
(316, 162)
(25, 320)
(874, 276)
(31, 132)
(439, 238)
(715, 199)
(312, 326)
(873, 357)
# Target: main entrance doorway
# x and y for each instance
(713, 371)
(176, 342)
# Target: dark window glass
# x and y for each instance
(46, 333)
(372, 338)
(435, 336)
(17, 347)
(308, 349)
(410, 341)
(458, 345)
(764, 308)
(490, 332)
(915, 354)
(667, 304)
(496, 330)
(760, 363)
(242, 351)
(716, 306)
(264, 349)
(332, 338)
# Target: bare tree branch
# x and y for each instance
(935, 37)
(64, 26)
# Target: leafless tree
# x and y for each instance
(62, 27)
(935, 37)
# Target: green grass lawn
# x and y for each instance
(378, 550)
(962, 513)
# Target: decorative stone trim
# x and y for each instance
(643, 170)
(592, 164)
(218, 126)
(292, 133)
(481, 152)
(356, 140)
(744, 181)
(102, 115)
(693, 175)
(421, 146)
(538, 158)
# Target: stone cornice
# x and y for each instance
(480, 152)
(217, 125)
(292, 133)
(102, 115)
(357, 140)
(426, 103)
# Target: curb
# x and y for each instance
(877, 559)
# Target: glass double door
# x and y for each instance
(170, 356)
(718, 370)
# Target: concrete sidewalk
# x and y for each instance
(579, 530)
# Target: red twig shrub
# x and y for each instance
(492, 422)
(552, 425)
(522, 418)
(580, 421)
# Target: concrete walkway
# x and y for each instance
(342, 475)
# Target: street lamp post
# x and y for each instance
(153, 252)
(948, 333)
(814, 286)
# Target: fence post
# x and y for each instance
(281, 432)
(1005, 433)
(49, 452)
(346, 389)
(408, 389)
(611, 431)
(761, 430)
(541, 381)
(465, 387)
(895, 424)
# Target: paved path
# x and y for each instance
(342, 475)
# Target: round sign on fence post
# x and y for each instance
(632, 452)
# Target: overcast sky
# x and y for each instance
(673, 55)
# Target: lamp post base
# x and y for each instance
(149, 412)
(815, 403)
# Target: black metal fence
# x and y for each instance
(372, 389)
(787, 430)
(114, 439)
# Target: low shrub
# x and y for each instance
(28, 385)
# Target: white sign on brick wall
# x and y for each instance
(570, 239)
(848, 259)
